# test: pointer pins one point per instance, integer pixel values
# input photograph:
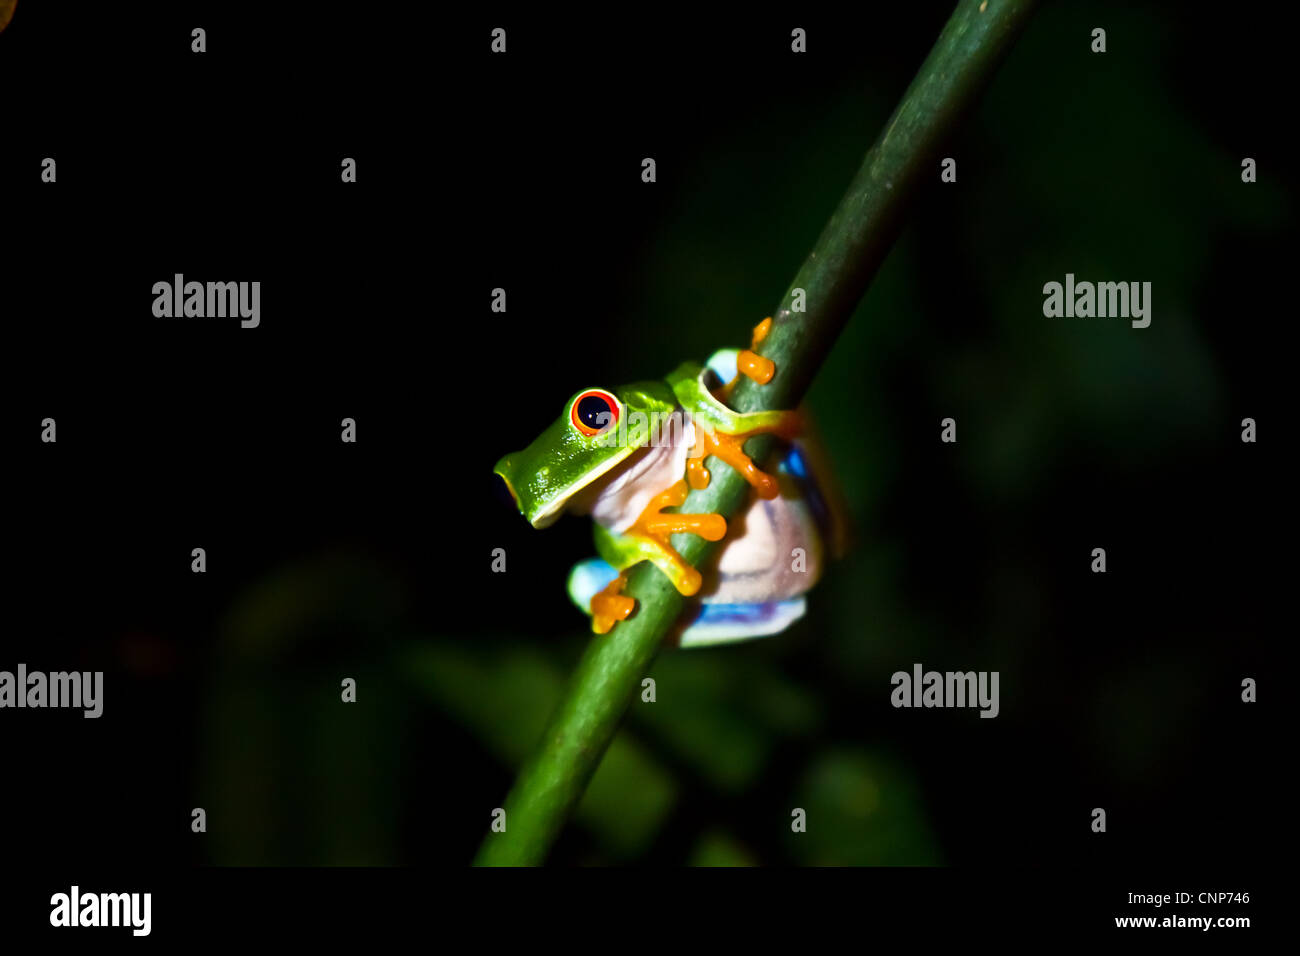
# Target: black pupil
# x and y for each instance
(594, 412)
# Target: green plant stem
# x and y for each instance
(834, 277)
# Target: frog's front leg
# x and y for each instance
(727, 442)
(647, 539)
(610, 605)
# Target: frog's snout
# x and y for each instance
(504, 470)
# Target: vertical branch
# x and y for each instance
(836, 273)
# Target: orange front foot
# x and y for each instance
(610, 605)
(730, 448)
(752, 365)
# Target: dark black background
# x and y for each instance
(475, 173)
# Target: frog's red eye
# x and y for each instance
(594, 411)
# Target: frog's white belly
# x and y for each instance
(773, 551)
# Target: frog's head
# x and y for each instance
(589, 439)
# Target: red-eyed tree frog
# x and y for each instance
(627, 456)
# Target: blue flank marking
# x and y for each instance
(736, 613)
(796, 464)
